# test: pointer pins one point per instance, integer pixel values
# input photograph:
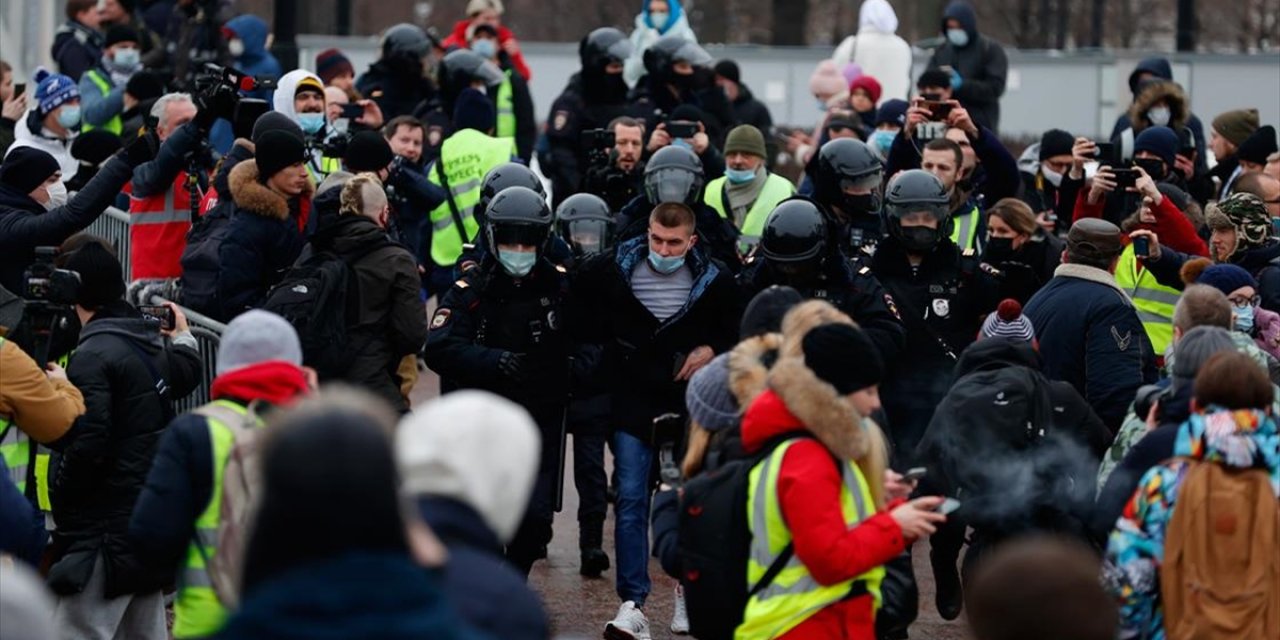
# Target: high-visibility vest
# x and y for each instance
(776, 189)
(794, 595)
(465, 158)
(1154, 301)
(505, 103)
(26, 459)
(116, 123)
(964, 229)
(328, 165)
(158, 227)
(197, 611)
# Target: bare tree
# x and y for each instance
(790, 17)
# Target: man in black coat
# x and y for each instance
(396, 80)
(130, 376)
(746, 108)
(977, 64)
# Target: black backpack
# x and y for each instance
(200, 263)
(319, 297)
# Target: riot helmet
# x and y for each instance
(662, 55)
(463, 67)
(585, 223)
(910, 195)
(603, 47)
(846, 165)
(794, 239)
(510, 174)
(518, 216)
(405, 40)
(674, 174)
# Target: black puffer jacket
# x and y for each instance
(105, 457)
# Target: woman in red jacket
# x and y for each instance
(488, 12)
(1156, 213)
(822, 492)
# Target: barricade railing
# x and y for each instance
(113, 225)
(208, 333)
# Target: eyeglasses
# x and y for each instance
(1240, 301)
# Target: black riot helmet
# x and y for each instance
(847, 164)
(668, 50)
(602, 47)
(518, 215)
(795, 231)
(674, 174)
(510, 174)
(908, 195)
(585, 223)
(405, 40)
(462, 67)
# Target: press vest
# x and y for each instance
(964, 229)
(506, 109)
(794, 595)
(197, 611)
(115, 124)
(158, 227)
(776, 189)
(465, 158)
(1154, 301)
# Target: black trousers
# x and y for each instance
(533, 536)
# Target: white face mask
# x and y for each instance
(1052, 176)
(235, 48)
(57, 196)
(1159, 116)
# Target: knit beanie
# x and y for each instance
(1258, 145)
(274, 121)
(1195, 347)
(26, 168)
(1245, 213)
(728, 70)
(1226, 278)
(766, 310)
(145, 85)
(1161, 141)
(826, 79)
(257, 336)
(709, 399)
(868, 84)
(1056, 142)
(933, 78)
(745, 138)
(121, 33)
(1007, 321)
(277, 150)
(331, 63)
(101, 277)
(53, 90)
(842, 356)
(893, 111)
(367, 151)
(1236, 125)
(474, 110)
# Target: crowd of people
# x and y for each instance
(1060, 362)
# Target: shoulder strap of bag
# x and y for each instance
(161, 387)
(453, 206)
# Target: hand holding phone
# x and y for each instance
(914, 474)
(352, 111)
(161, 313)
(1142, 246)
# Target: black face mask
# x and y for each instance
(799, 274)
(1153, 167)
(920, 239)
(998, 250)
(865, 204)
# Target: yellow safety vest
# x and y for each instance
(197, 611)
(506, 109)
(776, 189)
(964, 229)
(1154, 301)
(465, 158)
(794, 595)
(16, 447)
(115, 124)
(328, 165)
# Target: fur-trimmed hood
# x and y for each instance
(1153, 92)
(253, 196)
(749, 364)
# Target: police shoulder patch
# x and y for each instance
(560, 120)
(864, 271)
(561, 268)
(968, 253)
(440, 319)
(462, 284)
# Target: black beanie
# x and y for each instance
(277, 150)
(94, 147)
(101, 277)
(843, 356)
(274, 121)
(121, 33)
(1056, 142)
(1258, 145)
(26, 168)
(145, 85)
(367, 151)
(765, 311)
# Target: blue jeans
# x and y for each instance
(632, 460)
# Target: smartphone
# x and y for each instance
(939, 109)
(1142, 246)
(948, 506)
(679, 364)
(158, 312)
(1125, 178)
(682, 129)
(352, 111)
(668, 469)
(19, 89)
(914, 473)
(1104, 152)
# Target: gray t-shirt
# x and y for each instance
(662, 295)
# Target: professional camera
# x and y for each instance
(214, 74)
(217, 88)
(1147, 395)
(50, 293)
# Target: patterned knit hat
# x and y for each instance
(1007, 321)
(54, 90)
(1245, 213)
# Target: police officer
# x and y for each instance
(461, 69)
(795, 251)
(498, 179)
(398, 81)
(502, 328)
(674, 174)
(593, 98)
(678, 73)
(846, 177)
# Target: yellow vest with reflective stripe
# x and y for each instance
(964, 229)
(15, 448)
(506, 109)
(115, 124)
(776, 189)
(466, 157)
(197, 611)
(794, 595)
(1154, 301)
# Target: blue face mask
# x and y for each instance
(883, 140)
(128, 58)
(665, 264)
(484, 48)
(1244, 318)
(517, 263)
(739, 176)
(682, 143)
(311, 122)
(958, 37)
(69, 117)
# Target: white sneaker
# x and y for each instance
(629, 624)
(680, 618)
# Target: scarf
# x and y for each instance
(742, 196)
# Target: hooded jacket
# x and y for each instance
(1160, 69)
(31, 132)
(458, 38)
(878, 50)
(982, 65)
(104, 460)
(255, 61)
(76, 49)
(282, 101)
(267, 233)
(1243, 439)
(645, 34)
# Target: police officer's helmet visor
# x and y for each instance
(693, 54)
(489, 73)
(671, 185)
(618, 51)
(527, 234)
(906, 210)
(860, 183)
(586, 236)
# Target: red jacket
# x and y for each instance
(158, 231)
(505, 39)
(1173, 227)
(809, 496)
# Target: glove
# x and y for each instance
(142, 150)
(218, 103)
(956, 80)
(511, 365)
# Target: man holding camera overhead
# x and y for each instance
(616, 170)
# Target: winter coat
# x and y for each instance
(716, 234)
(646, 33)
(1266, 330)
(641, 352)
(1023, 272)
(413, 197)
(982, 65)
(43, 408)
(25, 225)
(1160, 68)
(355, 596)
(1091, 337)
(1244, 439)
(1041, 195)
(255, 61)
(267, 234)
(97, 108)
(580, 107)
(1259, 262)
(485, 590)
(6, 135)
(995, 177)
(76, 49)
(31, 132)
(392, 321)
(458, 38)
(878, 50)
(104, 460)
(397, 86)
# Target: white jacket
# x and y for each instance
(643, 37)
(878, 50)
(46, 141)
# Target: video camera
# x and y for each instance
(214, 75)
(217, 89)
(50, 293)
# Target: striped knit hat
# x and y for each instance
(1007, 321)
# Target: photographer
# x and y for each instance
(686, 127)
(1109, 195)
(615, 171)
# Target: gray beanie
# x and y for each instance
(1194, 348)
(710, 401)
(257, 336)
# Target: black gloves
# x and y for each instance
(220, 102)
(142, 150)
(511, 366)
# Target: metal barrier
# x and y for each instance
(208, 333)
(113, 225)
